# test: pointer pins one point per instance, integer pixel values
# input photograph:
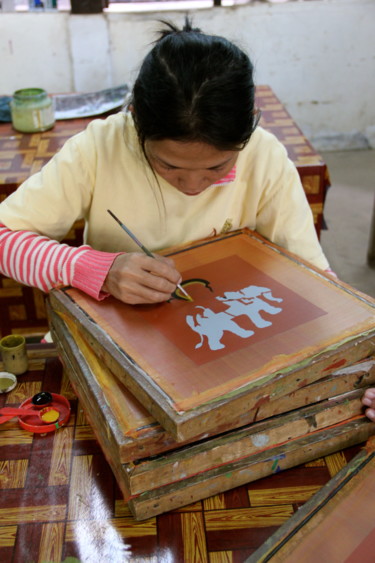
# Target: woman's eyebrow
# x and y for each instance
(221, 164)
(162, 161)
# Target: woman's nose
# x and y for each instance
(192, 181)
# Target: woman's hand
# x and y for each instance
(368, 400)
(136, 278)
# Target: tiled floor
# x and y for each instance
(348, 211)
(59, 501)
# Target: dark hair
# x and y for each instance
(194, 87)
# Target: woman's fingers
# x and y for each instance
(368, 400)
(136, 278)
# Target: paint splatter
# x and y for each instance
(260, 440)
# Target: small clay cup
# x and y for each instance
(14, 354)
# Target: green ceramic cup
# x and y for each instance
(14, 354)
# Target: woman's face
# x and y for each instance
(191, 167)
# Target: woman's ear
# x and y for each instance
(131, 108)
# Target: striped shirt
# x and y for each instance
(38, 261)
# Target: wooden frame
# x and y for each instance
(134, 435)
(332, 327)
(336, 524)
(188, 473)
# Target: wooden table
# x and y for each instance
(59, 497)
(22, 154)
(371, 244)
(310, 165)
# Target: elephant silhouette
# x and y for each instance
(250, 301)
(213, 325)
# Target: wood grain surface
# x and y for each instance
(321, 325)
(59, 497)
(337, 524)
(188, 473)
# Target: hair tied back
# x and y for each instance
(172, 29)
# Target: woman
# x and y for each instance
(184, 162)
(368, 400)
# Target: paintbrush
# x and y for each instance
(142, 247)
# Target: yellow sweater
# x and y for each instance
(103, 168)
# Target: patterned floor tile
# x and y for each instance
(59, 498)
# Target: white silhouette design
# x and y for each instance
(249, 301)
(213, 325)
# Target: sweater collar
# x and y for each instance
(230, 177)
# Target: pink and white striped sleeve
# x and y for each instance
(38, 261)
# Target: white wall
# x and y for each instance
(318, 56)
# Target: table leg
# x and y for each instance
(371, 246)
